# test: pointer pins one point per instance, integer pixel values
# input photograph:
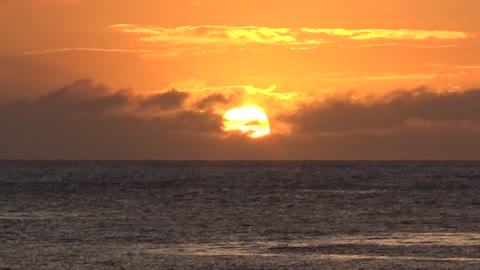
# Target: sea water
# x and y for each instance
(239, 215)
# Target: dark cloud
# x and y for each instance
(24, 76)
(344, 114)
(171, 100)
(83, 96)
(209, 101)
(187, 120)
(85, 120)
(88, 120)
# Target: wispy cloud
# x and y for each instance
(89, 50)
(196, 3)
(391, 34)
(144, 53)
(407, 45)
(468, 67)
(291, 38)
(215, 35)
(396, 76)
(41, 1)
(198, 40)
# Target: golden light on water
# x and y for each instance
(250, 120)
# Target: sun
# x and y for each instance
(250, 120)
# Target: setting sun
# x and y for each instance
(240, 80)
(249, 120)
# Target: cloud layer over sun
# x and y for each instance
(86, 119)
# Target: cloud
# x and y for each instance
(199, 40)
(136, 51)
(41, 1)
(56, 1)
(391, 34)
(468, 67)
(396, 76)
(170, 100)
(211, 100)
(144, 53)
(195, 35)
(85, 119)
(207, 38)
(195, 3)
(42, 77)
(89, 120)
(80, 97)
(420, 107)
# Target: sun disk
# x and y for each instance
(249, 120)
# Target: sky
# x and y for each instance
(154, 79)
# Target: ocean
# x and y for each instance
(239, 215)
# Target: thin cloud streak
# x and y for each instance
(144, 53)
(468, 67)
(391, 34)
(140, 51)
(199, 40)
(446, 46)
(232, 35)
(214, 38)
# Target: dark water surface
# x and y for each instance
(239, 215)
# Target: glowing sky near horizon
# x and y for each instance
(333, 76)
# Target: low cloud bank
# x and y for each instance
(86, 120)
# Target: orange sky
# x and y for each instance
(333, 74)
